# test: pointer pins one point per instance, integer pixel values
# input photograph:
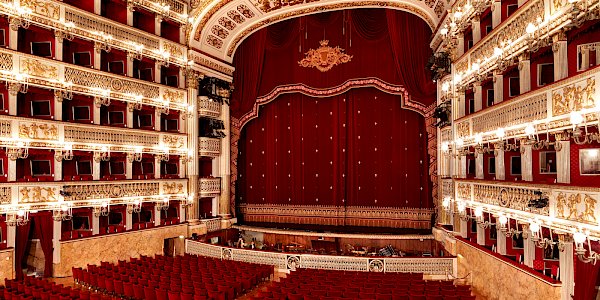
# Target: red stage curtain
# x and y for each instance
(359, 148)
(21, 239)
(410, 61)
(397, 55)
(44, 228)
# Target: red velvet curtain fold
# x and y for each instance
(21, 240)
(388, 44)
(360, 148)
(44, 228)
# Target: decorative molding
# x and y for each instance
(209, 187)
(209, 147)
(335, 235)
(209, 108)
(325, 57)
(38, 131)
(574, 97)
(37, 194)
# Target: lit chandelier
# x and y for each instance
(20, 218)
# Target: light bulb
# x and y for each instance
(446, 202)
(534, 227)
(576, 118)
(446, 87)
(458, 14)
(479, 211)
(500, 133)
(445, 147)
(579, 237)
(498, 51)
(20, 213)
(478, 139)
(444, 31)
(530, 28)
(459, 142)
(475, 67)
(529, 130)
(503, 220)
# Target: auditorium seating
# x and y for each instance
(173, 278)
(308, 284)
(39, 288)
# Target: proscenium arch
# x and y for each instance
(210, 35)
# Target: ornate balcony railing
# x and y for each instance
(436, 266)
(54, 135)
(209, 187)
(568, 206)
(547, 108)
(89, 26)
(208, 107)
(177, 9)
(209, 147)
(47, 195)
(21, 69)
(212, 225)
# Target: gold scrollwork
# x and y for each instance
(325, 57)
(38, 131)
(36, 68)
(573, 97)
(587, 213)
(173, 141)
(37, 194)
(172, 188)
(44, 8)
(463, 130)
(464, 191)
(173, 96)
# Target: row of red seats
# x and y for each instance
(32, 288)
(180, 278)
(332, 285)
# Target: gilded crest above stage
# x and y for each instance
(325, 57)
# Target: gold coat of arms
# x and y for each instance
(324, 57)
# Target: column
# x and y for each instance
(181, 210)
(496, 13)
(526, 161)
(585, 58)
(563, 158)
(98, 7)
(56, 236)
(476, 29)
(13, 91)
(192, 137)
(224, 172)
(128, 220)
(498, 87)
(58, 105)
(500, 170)
(157, 71)
(561, 62)
(129, 166)
(480, 234)
(130, 10)
(460, 44)
(58, 42)
(129, 116)
(96, 109)
(97, 56)
(214, 206)
(528, 247)
(58, 167)
(478, 96)
(157, 167)
(524, 73)
(12, 170)
(461, 104)
(11, 236)
(13, 37)
(462, 167)
(129, 67)
(95, 224)
(478, 166)
(156, 216)
(96, 169)
(157, 21)
(463, 228)
(500, 239)
(566, 265)
(157, 121)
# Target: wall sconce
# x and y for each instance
(21, 151)
(507, 230)
(189, 202)
(102, 97)
(163, 57)
(534, 41)
(102, 155)
(103, 43)
(22, 16)
(20, 218)
(136, 103)
(537, 236)
(580, 238)
(479, 218)
(102, 210)
(19, 85)
(502, 220)
(578, 7)
(163, 205)
(66, 32)
(134, 207)
(163, 155)
(65, 154)
(187, 157)
(461, 208)
(62, 212)
(137, 54)
(164, 108)
(136, 155)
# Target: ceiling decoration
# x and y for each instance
(325, 57)
(221, 26)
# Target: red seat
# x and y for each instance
(174, 295)
(149, 293)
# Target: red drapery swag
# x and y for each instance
(360, 148)
(390, 45)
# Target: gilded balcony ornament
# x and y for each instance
(574, 97)
(37, 194)
(325, 57)
(38, 131)
(35, 68)
(172, 188)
